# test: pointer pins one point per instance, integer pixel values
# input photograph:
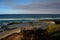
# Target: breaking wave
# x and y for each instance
(27, 18)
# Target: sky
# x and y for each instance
(29, 6)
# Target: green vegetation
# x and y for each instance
(53, 28)
(54, 31)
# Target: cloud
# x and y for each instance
(35, 7)
(8, 2)
(41, 7)
(36, 4)
(45, 5)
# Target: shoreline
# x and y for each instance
(17, 30)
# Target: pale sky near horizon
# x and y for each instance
(29, 6)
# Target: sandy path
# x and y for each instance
(6, 33)
(14, 36)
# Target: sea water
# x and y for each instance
(26, 17)
(6, 18)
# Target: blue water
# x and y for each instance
(29, 15)
(3, 16)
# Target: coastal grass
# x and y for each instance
(54, 29)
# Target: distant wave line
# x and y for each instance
(27, 18)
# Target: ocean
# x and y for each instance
(29, 15)
(26, 17)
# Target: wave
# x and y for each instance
(27, 18)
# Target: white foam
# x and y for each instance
(27, 18)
